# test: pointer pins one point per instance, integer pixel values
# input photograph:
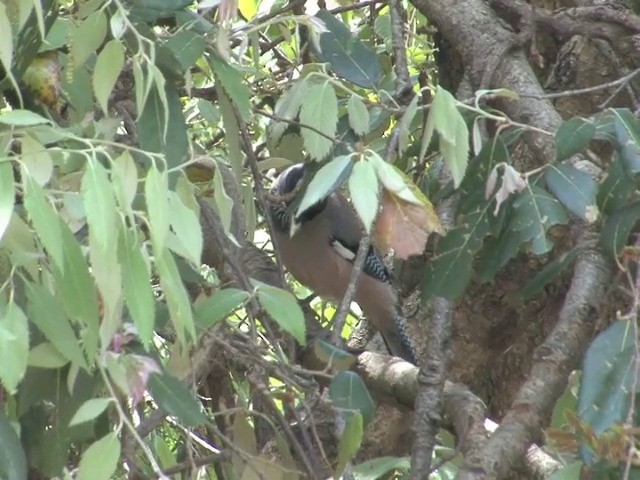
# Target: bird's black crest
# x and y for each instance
(288, 180)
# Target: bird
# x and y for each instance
(318, 247)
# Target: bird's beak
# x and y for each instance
(294, 227)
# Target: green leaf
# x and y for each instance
(99, 203)
(287, 107)
(44, 219)
(90, 410)
(394, 180)
(445, 119)
(87, 37)
(358, 115)
(575, 189)
(100, 460)
(627, 134)
(22, 118)
(617, 187)
(573, 136)
(320, 111)
(172, 142)
(349, 57)
(108, 67)
(77, 290)
(36, 159)
(231, 135)
(47, 313)
(349, 442)
(156, 189)
(176, 295)
(333, 356)
(572, 471)
(405, 124)
(617, 228)
(175, 398)
(449, 271)
(607, 382)
(187, 46)
(349, 393)
(325, 182)
(186, 226)
(535, 211)
(283, 307)
(7, 193)
(378, 467)
(136, 283)
(219, 306)
(234, 85)
(13, 462)
(46, 355)
(550, 271)
(364, 192)
(14, 345)
(6, 39)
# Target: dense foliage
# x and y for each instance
(136, 141)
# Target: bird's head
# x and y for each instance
(287, 187)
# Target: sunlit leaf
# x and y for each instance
(44, 218)
(14, 345)
(325, 181)
(100, 460)
(176, 295)
(445, 119)
(320, 111)
(283, 307)
(108, 67)
(156, 189)
(364, 192)
(46, 355)
(349, 442)
(358, 115)
(99, 203)
(88, 36)
(7, 192)
(233, 84)
(333, 356)
(136, 283)
(90, 409)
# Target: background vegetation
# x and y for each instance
(147, 329)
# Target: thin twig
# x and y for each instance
(341, 315)
(197, 462)
(582, 91)
(296, 123)
(260, 192)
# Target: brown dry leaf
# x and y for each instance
(404, 226)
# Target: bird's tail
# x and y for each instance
(399, 342)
